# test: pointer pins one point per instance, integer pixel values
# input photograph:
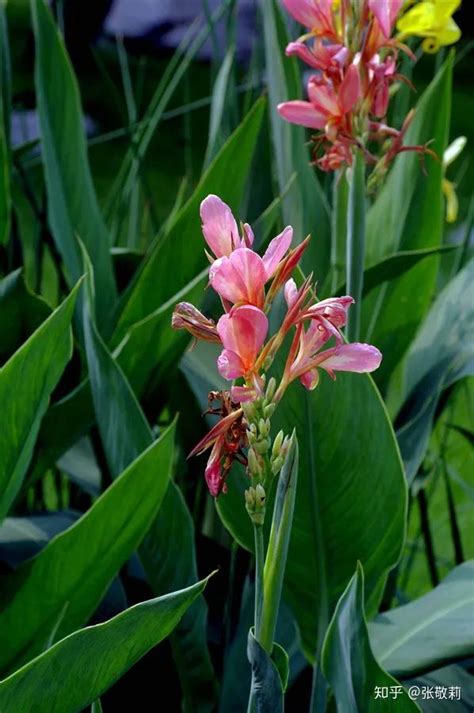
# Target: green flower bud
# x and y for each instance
(262, 446)
(269, 410)
(264, 426)
(271, 388)
(277, 443)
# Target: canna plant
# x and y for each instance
(339, 494)
(248, 286)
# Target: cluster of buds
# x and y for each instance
(352, 47)
(247, 285)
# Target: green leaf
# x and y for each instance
(349, 664)
(431, 631)
(74, 570)
(355, 247)
(68, 677)
(266, 678)
(350, 501)
(218, 104)
(304, 206)
(395, 266)
(23, 537)
(73, 209)
(178, 257)
(442, 353)
(26, 383)
(21, 312)
(446, 680)
(409, 215)
(167, 552)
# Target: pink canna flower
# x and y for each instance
(328, 106)
(213, 471)
(220, 228)
(242, 331)
(385, 12)
(326, 58)
(316, 15)
(240, 278)
(382, 74)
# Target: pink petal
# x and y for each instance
(302, 113)
(355, 357)
(300, 50)
(291, 292)
(303, 11)
(219, 226)
(276, 250)
(240, 277)
(323, 98)
(243, 331)
(386, 12)
(230, 365)
(334, 309)
(241, 394)
(310, 379)
(349, 90)
(213, 471)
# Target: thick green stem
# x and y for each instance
(259, 563)
(275, 561)
(355, 251)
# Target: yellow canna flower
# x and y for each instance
(449, 188)
(433, 20)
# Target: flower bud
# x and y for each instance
(253, 463)
(255, 504)
(271, 388)
(262, 446)
(277, 465)
(264, 426)
(269, 410)
(187, 316)
(277, 443)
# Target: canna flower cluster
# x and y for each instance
(353, 48)
(247, 285)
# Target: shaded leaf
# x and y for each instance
(73, 209)
(76, 567)
(66, 678)
(348, 662)
(26, 383)
(431, 631)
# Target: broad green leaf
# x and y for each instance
(21, 312)
(395, 266)
(26, 383)
(267, 687)
(408, 215)
(80, 464)
(350, 501)
(452, 688)
(167, 552)
(73, 210)
(178, 257)
(304, 206)
(79, 668)
(151, 348)
(23, 537)
(64, 423)
(349, 664)
(442, 353)
(431, 631)
(73, 571)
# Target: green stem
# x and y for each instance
(355, 250)
(259, 564)
(275, 562)
(338, 230)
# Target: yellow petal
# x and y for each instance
(454, 150)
